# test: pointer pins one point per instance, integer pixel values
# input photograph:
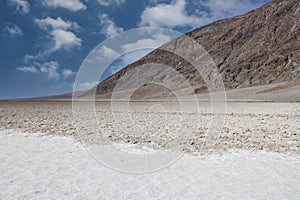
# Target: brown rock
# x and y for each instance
(260, 47)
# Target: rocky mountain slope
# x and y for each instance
(258, 48)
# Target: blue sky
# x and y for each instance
(44, 42)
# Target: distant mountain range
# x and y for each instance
(258, 48)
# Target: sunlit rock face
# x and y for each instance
(258, 48)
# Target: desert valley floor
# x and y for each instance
(250, 126)
(255, 156)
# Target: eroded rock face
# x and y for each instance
(260, 47)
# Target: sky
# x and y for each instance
(44, 42)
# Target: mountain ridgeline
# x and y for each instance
(258, 48)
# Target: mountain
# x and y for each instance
(258, 48)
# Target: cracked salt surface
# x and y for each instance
(54, 167)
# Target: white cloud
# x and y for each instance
(176, 15)
(50, 68)
(30, 69)
(167, 15)
(226, 8)
(22, 6)
(153, 43)
(110, 2)
(39, 55)
(108, 27)
(86, 85)
(61, 36)
(64, 39)
(128, 59)
(56, 23)
(131, 52)
(73, 5)
(67, 73)
(102, 55)
(108, 53)
(13, 30)
(136, 50)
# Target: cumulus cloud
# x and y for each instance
(108, 27)
(110, 2)
(64, 39)
(153, 43)
(108, 53)
(22, 6)
(86, 85)
(175, 14)
(50, 69)
(13, 30)
(167, 15)
(219, 9)
(102, 55)
(39, 55)
(131, 52)
(56, 23)
(30, 69)
(128, 59)
(67, 73)
(73, 5)
(143, 45)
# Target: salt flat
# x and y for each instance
(250, 126)
(44, 156)
(37, 166)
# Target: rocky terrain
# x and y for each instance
(258, 48)
(249, 126)
(236, 149)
